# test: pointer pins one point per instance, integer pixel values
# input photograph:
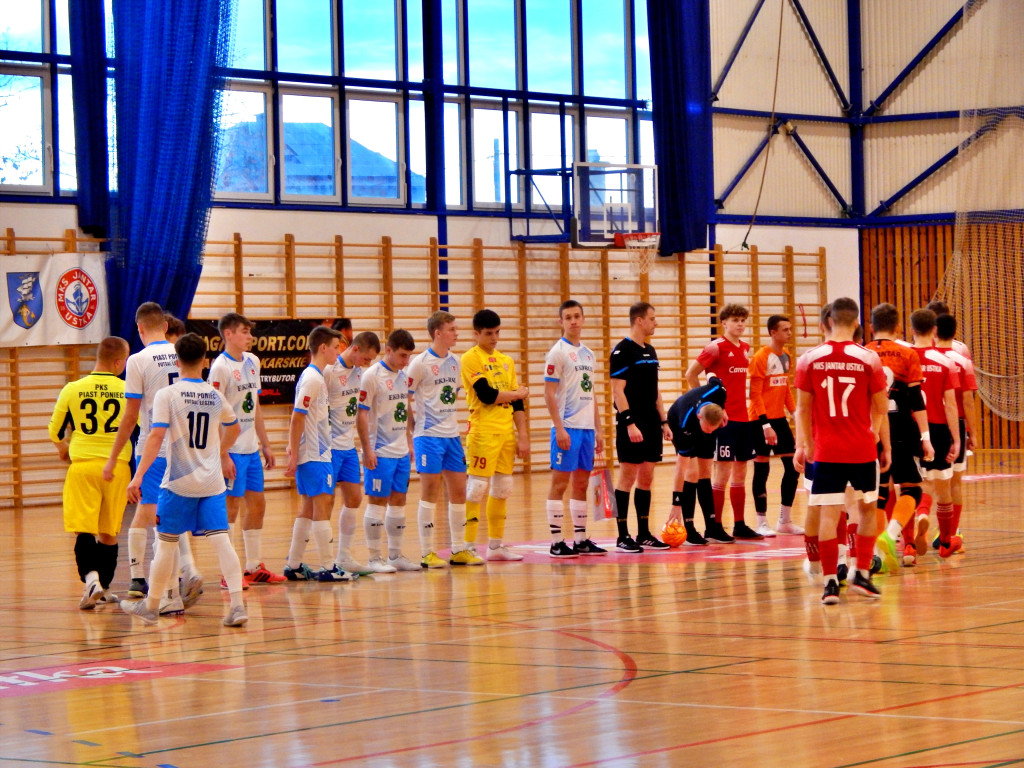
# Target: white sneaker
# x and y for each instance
(236, 617)
(350, 564)
(377, 565)
(765, 530)
(92, 594)
(502, 553)
(813, 570)
(108, 597)
(168, 605)
(403, 563)
(138, 609)
(790, 528)
(191, 588)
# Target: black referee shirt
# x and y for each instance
(638, 367)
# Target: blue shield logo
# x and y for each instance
(26, 297)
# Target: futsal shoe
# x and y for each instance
(402, 563)
(876, 564)
(171, 603)
(588, 548)
(236, 617)
(465, 557)
(842, 571)
(334, 574)
(694, 539)
(887, 548)
(744, 532)
(955, 543)
(224, 583)
(263, 576)
(191, 587)
(831, 593)
(716, 534)
(431, 560)
(921, 535)
(909, 556)
(562, 550)
(650, 542)
(862, 585)
(92, 594)
(812, 569)
(107, 597)
(502, 554)
(302, 572)
(625, 545)
(765, 530)
(377, 565)
(140, 588)
(789, 529)
(138, 609)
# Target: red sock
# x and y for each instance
(811, 545)
(889, 504)
(718, 493)
(841, 528)
(926, 504)
(738, 499)
(865, 551)
(829, 549)
(851, 538)
(944, 512)
(957, 510)
(909, 530)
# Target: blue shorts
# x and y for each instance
(248, 474)
(580, 454)
(314, 478)
(434, 454)
(187, 514)
(152, 479)
(346, 466)
(390, 476)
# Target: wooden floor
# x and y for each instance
(717, 657)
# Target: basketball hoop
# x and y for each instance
(642, 247)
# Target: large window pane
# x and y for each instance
(643, 51)
(647, 142)
(489, 168)
(604, 48)
(546, 134)
(242, 156)
(21, 25)
(492, 43)
(450, 40)
(414, 40)
(373, 148)
(249, 50)
(549, 46)
(417, 151)
(370, 40)
(67, 179)
(21, 140)
(305, 37)
(606, 140)
(454, 168)
(310, 163)
(63, 34)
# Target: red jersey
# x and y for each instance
(729, 362)
(939, 375)
(842, 377)
(965, 373)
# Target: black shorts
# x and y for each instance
(906, 466)
(786, 444)
(700, 445)
(960, 465)
(831, 478)
(942, 440)
(649, 450)
(736, 441)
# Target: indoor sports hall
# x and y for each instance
(301, 162)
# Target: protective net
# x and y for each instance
(984, 281)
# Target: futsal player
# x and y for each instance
(309, 462)
(435, 379)
(771, 396)
(83, 427)
(190, 413)
(575, 432)
(497, 435)
(641, 427)
(727, 359)
(841, 403)
(235, 373)
(382, 424)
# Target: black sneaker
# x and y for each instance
(138, 588)
(694, 539)
(561, 549)
(588, 547)
(862, 585)
(831, 594)
(876, 564)
(743, 531)
(626, 545)
(649, 542)
(842, 571)
(716, 533)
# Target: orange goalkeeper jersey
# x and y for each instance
(771, 391)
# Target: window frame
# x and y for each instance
(252, 86)
(402, 161)
(336, 97)
(44, 72)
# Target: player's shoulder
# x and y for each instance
(814, 354)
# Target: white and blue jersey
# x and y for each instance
(343, 386)
(572, 368)
(311, 399)
(147, 372)
(435, 383)
(239, 382)
(385, 394)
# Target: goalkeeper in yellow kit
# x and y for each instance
(497, 434)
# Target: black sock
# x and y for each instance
(642, 502)
(689, 504)
(106, 560)
(706, 499)
(790, 478)
(85, 554)
(622, 510)
(760, 486)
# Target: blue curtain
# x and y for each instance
(167, 97)
(679, 33)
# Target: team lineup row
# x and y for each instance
(403, 406)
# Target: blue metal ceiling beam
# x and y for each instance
(735, 51)
(820, 171)
(822, 57)
(720, 201)
(877, 103)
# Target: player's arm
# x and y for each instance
(562, 439)
(622, 406)
(693, 374)
(970, 417)
(804, 438)
(129, 419)
(880, 426)
(666, 431)
(261, 433)
(952, 421)
(363, 430)
(296, 426)
(522, 432)
(61, 425)
(229, 434)
(915, 398)
(150, 450)
(490, 396)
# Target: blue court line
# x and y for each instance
(36, 730)
(85, 743)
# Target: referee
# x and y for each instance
(640, 426)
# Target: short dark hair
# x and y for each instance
(639, 310)
(938, 307)
(366, 340)
(437, 321)
(922, 321)
(733, 310)
(342, 324)
(825, 318)
(775, 321)
(111, 348)
(858, 335)
(845, 312)
(569, 304)
(191, 348)
(885, 318)
(486, 319)
(174, 326)
(319, 336)
(150, 315)
(401, 339)
(232, 320)
(945, 327)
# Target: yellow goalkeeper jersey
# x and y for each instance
(92, 408)
(500, 372)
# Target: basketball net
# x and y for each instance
(642, 248)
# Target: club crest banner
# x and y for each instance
(58, 298)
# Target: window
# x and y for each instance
(250, 48)
(242, 167)
(68, 174)
(492, 43)
(374, 171)
(606, 140)
(546, 137)
(23, 165)
(604, 48)
(305, 36)
(549, 46)
(371, 40)
(642, 49)
(489, 165)
(21, 26)
(308, 146)
(454, 167)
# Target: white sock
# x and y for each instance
(457, 524)
(230, 568)
(322, 538)
(894, 529)
(842, 554)
(185, 560)
(91, 577)
(425, 519)
(556, 514)
(578, 510)
(161, 571)
(394, 523)
(373, 527)
(784, 515)
(253, 541)
(347, 521)
(137, 552)
(300, 534)
(232, 533)
(762, 517)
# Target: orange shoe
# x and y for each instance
(921, 535)
(245, 582)
(262, 576)
(909, 555)
(955, 543)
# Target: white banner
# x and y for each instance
(57, 298)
